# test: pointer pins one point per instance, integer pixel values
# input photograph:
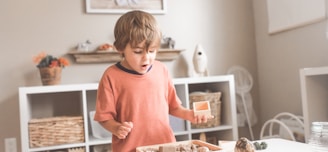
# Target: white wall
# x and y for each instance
(280, 57)
(224, 27)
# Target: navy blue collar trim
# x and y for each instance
(119, 65)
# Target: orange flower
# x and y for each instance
(53, 63)
(37, 59)
(63, 62)
(45, 60)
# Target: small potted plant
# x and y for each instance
(50, 68)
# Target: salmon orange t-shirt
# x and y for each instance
(144, 100)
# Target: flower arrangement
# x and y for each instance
(44, 60)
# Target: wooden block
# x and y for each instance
(167, 148)
(202, 108)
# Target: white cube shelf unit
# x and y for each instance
(314, 91)
(80, 99)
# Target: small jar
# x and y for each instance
(319, 137)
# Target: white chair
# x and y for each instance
(277, 127)
(244, 84)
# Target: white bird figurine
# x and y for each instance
(200, 61)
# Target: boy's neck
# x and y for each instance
(121, 66)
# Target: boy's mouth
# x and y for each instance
(144, 66)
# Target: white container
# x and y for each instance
(97, 130)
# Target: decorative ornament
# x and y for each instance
(244, 145)
(86, 46)
(167, 42)
(200, 61)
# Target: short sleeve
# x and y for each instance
(105, 103)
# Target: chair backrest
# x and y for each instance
(279, 120)
(291, 116)
(271, 134)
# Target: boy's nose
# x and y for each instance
(146, 54)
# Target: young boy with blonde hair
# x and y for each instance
(136, 95)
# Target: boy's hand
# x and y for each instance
(124, 129)
(201, 119)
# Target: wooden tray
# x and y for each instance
(212, 147)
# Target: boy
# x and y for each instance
(136, 95)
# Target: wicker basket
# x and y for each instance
(55, 131)
(50, 76)
(215, 104)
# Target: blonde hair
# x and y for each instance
(135, 27)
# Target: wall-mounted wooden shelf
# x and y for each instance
(113, 56)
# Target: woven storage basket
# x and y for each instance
(55, 131)
(50, 76)
(215, 104)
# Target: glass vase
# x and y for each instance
(319, 137)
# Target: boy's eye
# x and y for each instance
(138, 51)
(152, 51)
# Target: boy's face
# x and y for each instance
(139, 58)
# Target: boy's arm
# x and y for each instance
(188, 114)
(121, 130)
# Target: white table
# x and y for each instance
(274, 145)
